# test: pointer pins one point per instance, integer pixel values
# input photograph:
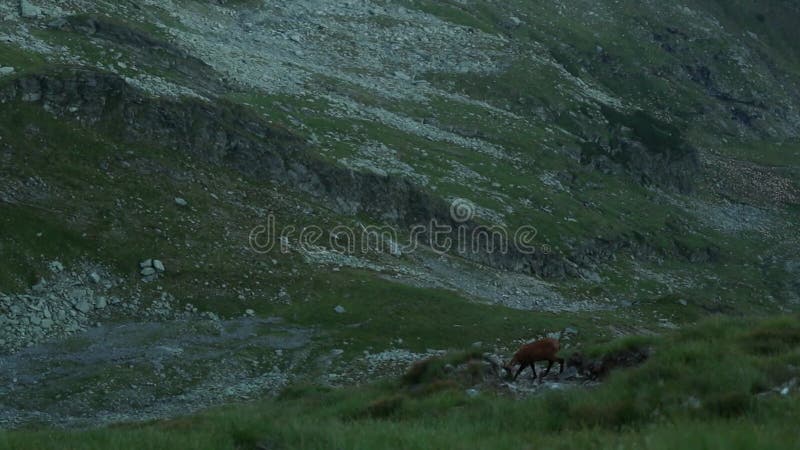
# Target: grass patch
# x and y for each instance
(695, 392)
(379, 312)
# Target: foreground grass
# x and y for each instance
(713, 386)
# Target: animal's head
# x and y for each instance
(508, 368)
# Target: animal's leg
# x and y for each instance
(521, 368)
(533, 371)
(549, 365)
(560, 365)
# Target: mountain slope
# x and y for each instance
(649, 152)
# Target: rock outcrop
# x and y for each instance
(230, 135)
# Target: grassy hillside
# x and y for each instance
(654, 148)
(718, 384)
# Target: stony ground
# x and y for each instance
(145, 370)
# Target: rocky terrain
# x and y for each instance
(649, 152)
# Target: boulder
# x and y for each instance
(29, 11)
(158, 265)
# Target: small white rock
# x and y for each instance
(340, 309)
(94, 277)
(181, 202)
(158, 265)
(402, 76)
(146, 263)
(6, 71)
(250, 312)
(56, 267)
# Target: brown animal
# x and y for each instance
(541, 350)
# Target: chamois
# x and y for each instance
(541, 350)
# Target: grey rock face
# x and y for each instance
(145, 47)
(233, 136)
(28, 10)
(651, 151)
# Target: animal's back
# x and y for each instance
(552, 344)
(543, 348)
